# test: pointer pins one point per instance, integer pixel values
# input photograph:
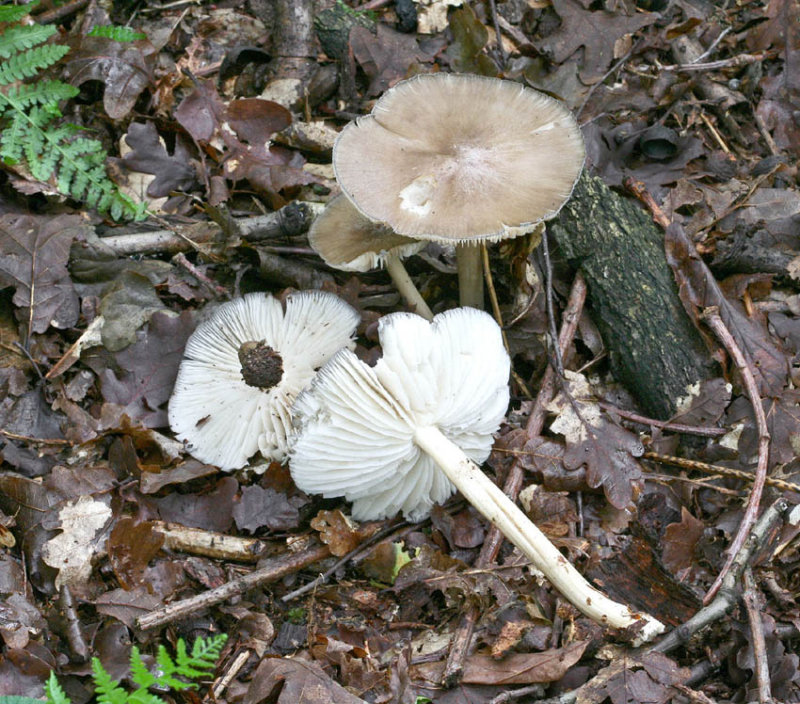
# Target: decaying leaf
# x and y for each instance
(606, 449)
(150, 367)
(680, 540)
(72, 552)
(699, 290)
(34, 259)
(295, 681)
(596, 31)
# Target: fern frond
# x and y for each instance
(30, 62)
(16, 39)
(108, 691)
(41, 93)
(14, 13)
(54, 691)
(116, 33)
(29, 132)
(139, 672)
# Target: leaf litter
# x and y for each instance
(90, 470)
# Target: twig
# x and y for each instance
(727, 597)
(274, 570)
(762, 128)
(75, 638)
(684, 463)
(535, 690)
(212, 286)
(711, 316)
(732, 62)
(513, 484)
(753, 606)
(663, 424)
(198, 541)
(721, 605)
(498, 316)
(292, 219)
(352, 555)
(551, 314)
(501, 52)
(235, 667)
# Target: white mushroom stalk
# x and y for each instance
(348, 241)
(243, 368)
(380, 436)
(460, 159)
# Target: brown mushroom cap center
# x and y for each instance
(262, 366)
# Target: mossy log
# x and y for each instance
(654, 348)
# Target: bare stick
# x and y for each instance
(494, 538)
(290, 220)
(664, 424)
(711, 316)
(280, 567)
(197, 541)
(684, 463)
(753, 606)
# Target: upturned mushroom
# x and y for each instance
(243, 368)
(406, 433)
(460, 159)
(348, 241)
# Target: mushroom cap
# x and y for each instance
(346, 240)
(225, 421)
(355, 424)
(460, 158)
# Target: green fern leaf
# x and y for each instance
(16, 39)
(108, 691)
(40, 93)
(30, 62)
(29, 131)
(54, 691)
(14, 13)
(139, 672)
(116, 33)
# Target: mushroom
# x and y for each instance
(346, 240)
(377, 435)
(243, 368)
(460, 159)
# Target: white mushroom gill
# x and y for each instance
(243, 368)
(405, 434)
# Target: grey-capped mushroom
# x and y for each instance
(348, 241)
(243, 368)
(406, 433)
(460, 159)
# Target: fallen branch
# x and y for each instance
(712, 319)
(273, 571)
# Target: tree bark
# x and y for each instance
(654, 348)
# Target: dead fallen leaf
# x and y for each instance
(72, 552)
(295, 681)
(35, 254)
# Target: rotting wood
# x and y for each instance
(655, 350)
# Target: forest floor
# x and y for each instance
(104, 516)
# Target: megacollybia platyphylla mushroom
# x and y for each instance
(243, 368)
(346, 240)
(406, 433)
(460, 159)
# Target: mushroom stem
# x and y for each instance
(487, 498)
(404, 284)
(470, 275)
